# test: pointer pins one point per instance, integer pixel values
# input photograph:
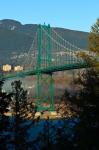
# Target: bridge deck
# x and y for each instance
(48, 70)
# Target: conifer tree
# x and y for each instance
(88, 126)
(21, 111)
(5, 100)
(94, 37)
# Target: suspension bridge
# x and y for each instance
(48, 53)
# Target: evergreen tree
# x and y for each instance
(94, 44)
(5, 100)
(87, 99)
(94, 38)
(88, 128)
(21, 113)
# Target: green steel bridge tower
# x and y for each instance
(48, 53)
(47, 79)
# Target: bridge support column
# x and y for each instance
(52, 92)
(44, 92)
(45, 89)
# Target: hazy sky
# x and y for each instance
(71, 14)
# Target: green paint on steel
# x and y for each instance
(38, 66)
(45, 49)
(49, 46)
(52, 92)
(47, 70)
(39, 47)
(45, 67)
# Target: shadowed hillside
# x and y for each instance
(17, 37)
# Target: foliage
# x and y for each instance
(87, 129)
(94, 38)
(20, 110)
(94, 44)
(5, 100)
(86, 101)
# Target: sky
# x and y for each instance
(71, 14)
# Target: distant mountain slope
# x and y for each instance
(14, 40)
(14, 36)
(17, 37)
(78, 38)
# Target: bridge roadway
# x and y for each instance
(48, 70)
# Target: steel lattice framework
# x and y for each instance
(48, 53)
